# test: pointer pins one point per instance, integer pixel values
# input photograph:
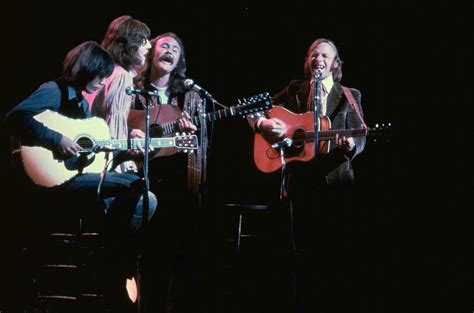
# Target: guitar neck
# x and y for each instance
(173, 127)
(331, 134)
(124, 144)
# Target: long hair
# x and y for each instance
(85, 62)
(123, 38)
(176, 76)
(336, 72)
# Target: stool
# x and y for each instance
(238, 280)
(240, 210)
(64, 269)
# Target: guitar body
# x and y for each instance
(267, 159)
(160, 114)
(163, 114)
(44, 169)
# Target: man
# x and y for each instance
(317, 190)
(176, 177)
(85, 69)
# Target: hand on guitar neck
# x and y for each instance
(185, 124)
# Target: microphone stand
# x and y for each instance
(146, 180)
(146, 201)
(283, 195)
(203, 135)
(317, 105)
(283, 172)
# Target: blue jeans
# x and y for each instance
(121, 197)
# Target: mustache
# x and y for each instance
(167, 57)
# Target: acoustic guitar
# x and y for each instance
(300, 131)
(92, 134)
(164, 117)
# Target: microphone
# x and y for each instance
(189, 84)
(287, 142)
(140, 91)
(319, 70)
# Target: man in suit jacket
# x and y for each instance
(298, 95)
(318, 191)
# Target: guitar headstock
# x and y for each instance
(381, 132)
(253, 105)
(185, 142)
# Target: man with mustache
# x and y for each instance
(173, 251)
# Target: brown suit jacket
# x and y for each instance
(336, 166)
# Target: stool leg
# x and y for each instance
(239, 233)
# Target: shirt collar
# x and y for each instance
(328, 82)
(74, 94)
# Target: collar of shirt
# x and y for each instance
(328, 82)
(77, 97)
(163, 92)
(73, 94)
(133, 72)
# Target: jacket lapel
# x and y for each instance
(334, 98)
(302, 95)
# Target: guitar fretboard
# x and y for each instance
(247, 106)
(331, 134)
(124, 144)
(173, 127)
(135, 143)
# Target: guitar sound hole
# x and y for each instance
(85, 142)
(298, 138)
(156, 130)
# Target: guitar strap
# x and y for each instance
(354, 104)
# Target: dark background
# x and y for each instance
(414, 223)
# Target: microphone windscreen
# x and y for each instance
(129, 90)
(188, 83)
